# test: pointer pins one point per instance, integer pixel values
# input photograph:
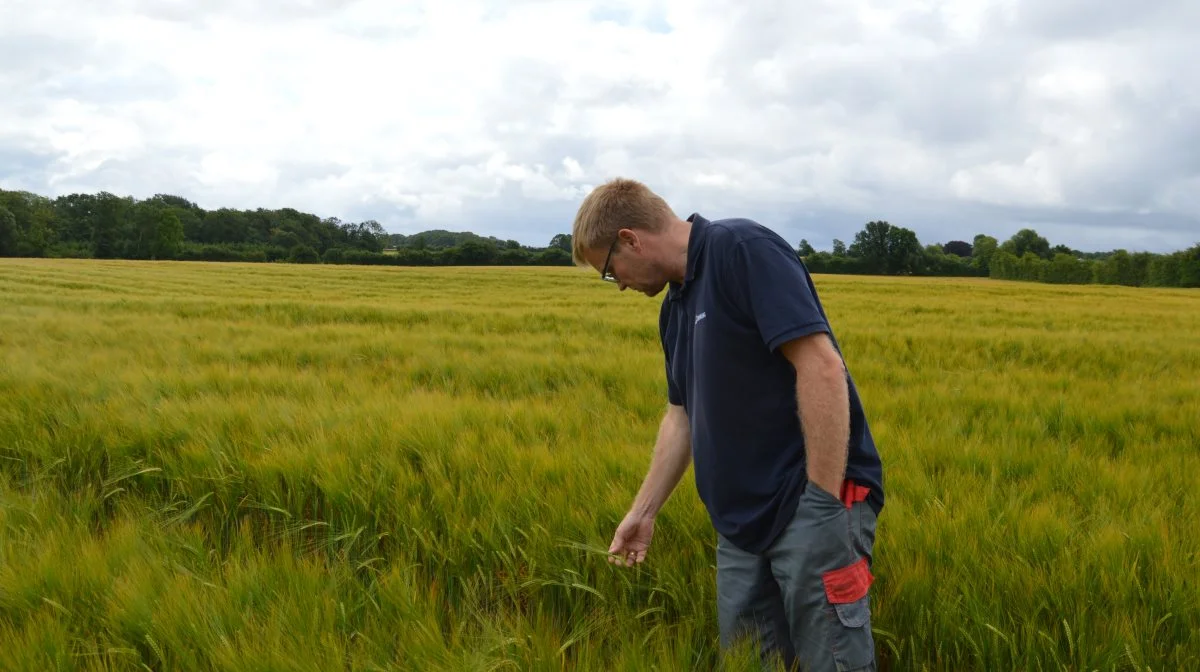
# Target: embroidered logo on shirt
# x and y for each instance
(698, 318)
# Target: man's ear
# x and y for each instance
(632, 238)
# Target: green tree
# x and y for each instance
(959, 248)
(143, 229)
(108, 223)
(1189, 267)
(839, 248)
(1067, 269)
(1002, 265)
(904, 251)
(172, 201)
(40, 234)
(562, 241)
(982, 250)
(1027, 240)
(8, 232)
(74, 214)
(1164, 270)
(368, 235)
(303, 254)
(871, 245)
(168, 236)
(805, 249)
(1122, 268)
(514, 256)
(476, 252)
(1139, 272)
(552, 256)
(1031, 267)
(31, 230)
(885, 248)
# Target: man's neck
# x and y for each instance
(681, 232)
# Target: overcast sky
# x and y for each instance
(1080, 118)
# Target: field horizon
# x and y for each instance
(228, 466)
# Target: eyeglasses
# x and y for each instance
(605, 274)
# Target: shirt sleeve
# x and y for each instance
(673, 395)
(672, 392)
(775, 289)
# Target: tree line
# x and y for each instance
(882, 248)
(106, 226)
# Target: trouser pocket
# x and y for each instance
(825, 579)
(848, 612)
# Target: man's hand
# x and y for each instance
(632, 540)
(672, 455)
(823, 397)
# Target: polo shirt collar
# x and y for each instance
(696, 240)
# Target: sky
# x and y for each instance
(1078, 118)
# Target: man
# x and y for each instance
(761, 402)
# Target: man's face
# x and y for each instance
(626, 263)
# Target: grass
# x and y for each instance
(284, 467)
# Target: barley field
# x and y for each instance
(287, 467)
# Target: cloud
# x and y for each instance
(952, 118)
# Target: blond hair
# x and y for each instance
(620, 203)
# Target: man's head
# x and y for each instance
(630, 234)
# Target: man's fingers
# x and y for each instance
(620, 554)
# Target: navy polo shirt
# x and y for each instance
(745, 292)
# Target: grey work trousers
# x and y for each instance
(806, 597)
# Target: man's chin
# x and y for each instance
(653, 291)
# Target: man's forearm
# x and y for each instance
(824, 399)
(672, 455)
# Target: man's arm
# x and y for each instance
(824, 400)
(672, 455)
(767, 278)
